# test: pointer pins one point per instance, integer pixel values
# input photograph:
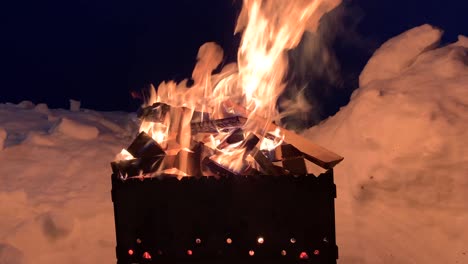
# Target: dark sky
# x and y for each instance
(97, 51)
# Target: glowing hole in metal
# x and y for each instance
(138, 241)
(260, 240)
(292, 240)
(303, 255)
(146, 255)
(251, 253)
(283, 252)
(198, 241)
(189, 252)
(130, 252)
(229, 240)
(316, 252)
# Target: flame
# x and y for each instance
(158, 131)
(270, 143)
(124, 155)
(270, 28)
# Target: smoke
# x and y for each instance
(323, 69)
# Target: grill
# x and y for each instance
(226, 219)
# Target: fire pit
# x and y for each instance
(211, 177)
(188, 207)
(231, 219)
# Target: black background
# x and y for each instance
(98, 51)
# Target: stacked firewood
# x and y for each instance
(202, 155)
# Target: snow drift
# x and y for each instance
(401, 188)
(402, 185)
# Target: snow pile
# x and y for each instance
(401, 188)
(399, 53)
(402, 185)
(55, 202)
(75, 105)
(76, 130)
(3, 135)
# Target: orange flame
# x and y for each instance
(270, 28)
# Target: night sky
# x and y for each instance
(98, 51)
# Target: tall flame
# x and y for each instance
(270, 28)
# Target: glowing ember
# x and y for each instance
(303, 255)
(146, 255)
(260, 240)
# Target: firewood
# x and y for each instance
(144, 146)
(312, 152)
(213, 126)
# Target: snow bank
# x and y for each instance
(76, 130)
(3, 135)
(402, 185)
(55, 203)
(398, 53)
(75, 105)
(462, 41)
(42, 108)
(10, 255)
(26, 105)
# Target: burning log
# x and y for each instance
(312, 152)
(293, 160)
(136, 167)
(216, 168)
(145, 146)
(225, 161)
(155, 113)
(188, 161)
(213, 126)
(222, 171)
(265, 163)
(236, 135)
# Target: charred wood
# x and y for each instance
(213, 126)
(154, 113)
(145, 146)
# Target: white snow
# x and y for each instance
(75, 129)
(75, 105)
(26, 104)
(397, 54)
(3, 135)
(42, 108)
(54, 186)
(401, 188)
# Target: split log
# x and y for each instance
(312, 152)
